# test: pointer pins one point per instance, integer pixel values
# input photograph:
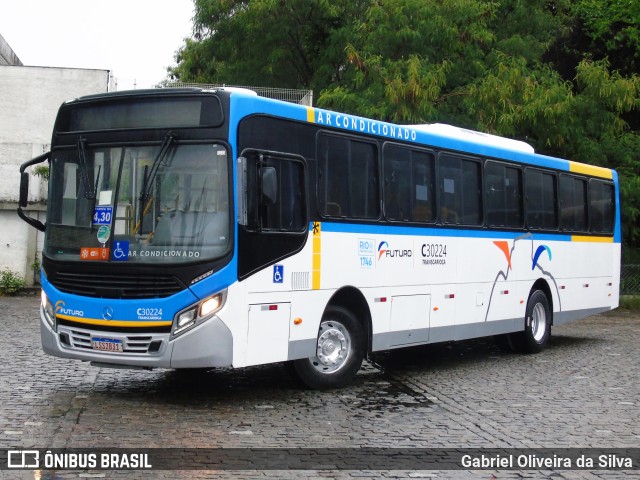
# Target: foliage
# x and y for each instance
(271, 43)
(42, 171)
(630, 302)
(561, 75)
(10, 282)
(610, 29)
(35, 266)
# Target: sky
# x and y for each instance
(135, 39)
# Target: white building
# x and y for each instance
(29, 100)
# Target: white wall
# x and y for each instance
(29, 101)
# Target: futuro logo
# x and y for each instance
(382, 249)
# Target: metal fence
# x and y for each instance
(302, 97)
(630, 280)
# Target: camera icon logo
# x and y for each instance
(23, 459)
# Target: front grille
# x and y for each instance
(104, 285)
(78, 339)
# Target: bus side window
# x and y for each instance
(409, 184)
(450, 195)
(503, 195)
(276, 198)
(333, 164)
(423, 182)
(397, 179)
(541, 195)
(573, 203)
(601, 206)
(348, 177)
(460, 190)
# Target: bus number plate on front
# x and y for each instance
(106, 344)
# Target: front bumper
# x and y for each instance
(209, 344)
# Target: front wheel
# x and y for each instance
(340, 350)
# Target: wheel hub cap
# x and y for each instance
(538, 322)
(333, 347)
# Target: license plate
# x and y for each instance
(106, 344)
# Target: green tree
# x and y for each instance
(289, 44)
(560, 74)
(602, 29)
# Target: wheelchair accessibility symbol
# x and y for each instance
(120, 251)
(278, 273)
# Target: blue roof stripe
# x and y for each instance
(248, 104)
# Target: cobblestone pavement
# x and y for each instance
(582, 391)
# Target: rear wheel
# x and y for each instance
(340, 350)
(537, 327)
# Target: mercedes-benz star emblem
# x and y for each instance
(107, 313)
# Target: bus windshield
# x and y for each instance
(164, 203)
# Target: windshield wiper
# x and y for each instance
(84, 173)
(149, 175)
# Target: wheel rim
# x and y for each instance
(333, 348)
(538, 322)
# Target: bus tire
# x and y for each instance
(537, 327)
(340, 349)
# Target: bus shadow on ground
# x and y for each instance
(460, 354)
(376, 387)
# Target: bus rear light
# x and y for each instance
(450, 295)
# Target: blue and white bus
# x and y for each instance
(195, 228)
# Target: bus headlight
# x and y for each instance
(196, 314)
(47, 308)
(186, 318)
(211, 305)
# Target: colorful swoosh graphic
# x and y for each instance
(539, 251)
(504, 247)
(503, 275)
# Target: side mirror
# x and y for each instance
(269, 185)
(24, 189)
